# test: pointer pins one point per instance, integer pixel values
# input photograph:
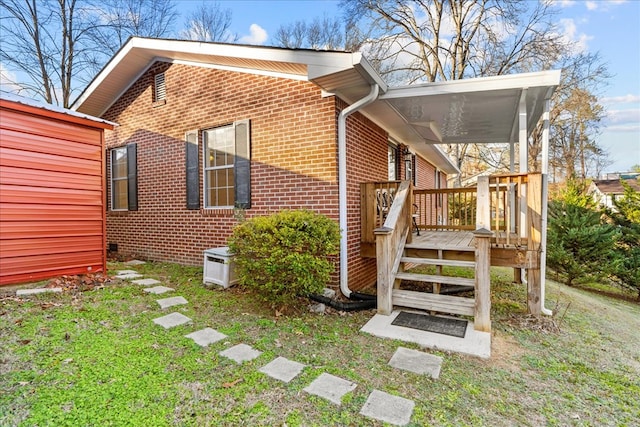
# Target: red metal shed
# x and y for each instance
(52, 191)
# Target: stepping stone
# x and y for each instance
(135, 262)
(388, 408)
(240, 353)
(146, 282)
(170, 302)
(206, 336)
(171, 320)
(35, 291)
(330, 387)
(125, 272)
(158, 290)
(417, 362)
(282, 369)
(128, 276)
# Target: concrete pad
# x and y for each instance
(282, 369)
(146, 282)
(474, 343)
(135, 262)
(240, 353)
(388, 408)
(128, 276)
(171, 320)
(158, 290)
(172, 301)
(417, 362)
(330, 387)
(35, 291)
(206, 336)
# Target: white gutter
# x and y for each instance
(342, 182)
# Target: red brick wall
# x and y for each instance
(293, 159)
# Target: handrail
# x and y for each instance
(390, 241)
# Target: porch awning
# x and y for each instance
(481, 110)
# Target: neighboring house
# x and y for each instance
(52, 191)
(205, 128)
(605, 191)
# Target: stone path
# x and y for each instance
(379, 405)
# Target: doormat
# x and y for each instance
(425, 322)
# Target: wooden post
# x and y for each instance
(482, 316)
(534, 228)
(385, 268)
(483, 214)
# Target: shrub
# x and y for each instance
(285, 255)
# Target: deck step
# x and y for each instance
(435, 246)
(434, 302)
(433, 278)
(435, 261)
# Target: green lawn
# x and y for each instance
(96, 358)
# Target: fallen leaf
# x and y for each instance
(67, 337)
(23, 382)
(24, 342)
(232, 383)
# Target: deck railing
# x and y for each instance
(456, 208)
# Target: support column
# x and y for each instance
(482, 315)
(534, 226)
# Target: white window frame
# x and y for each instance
(113, 179)
(205, 182)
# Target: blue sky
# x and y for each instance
(609, 27)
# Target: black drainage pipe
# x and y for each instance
(365, 304)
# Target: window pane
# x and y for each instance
(119, 163)
(119, 183)
(120, 195)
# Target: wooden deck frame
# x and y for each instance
(496, 243)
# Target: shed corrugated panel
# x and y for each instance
(39, 178)
(51, 198)
(35, 212)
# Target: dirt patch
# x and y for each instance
(504, 352)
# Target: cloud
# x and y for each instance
(591, 5)
(627, 120)
(258, 35)
(570, 32)
(624, 99)
(8, 81)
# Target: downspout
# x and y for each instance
(342, 182)
(545, 207)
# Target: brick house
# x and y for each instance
(204, 127)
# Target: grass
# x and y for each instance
(96, 358)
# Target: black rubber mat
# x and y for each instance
(425, 322)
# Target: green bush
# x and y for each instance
(285, 255)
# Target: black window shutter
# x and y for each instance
(132, 176)
(193, 172)
(242, 165)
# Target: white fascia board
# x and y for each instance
(549, 78)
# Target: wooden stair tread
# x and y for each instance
(433, 278)
(435, 246)
(435, 261)
(434, 302)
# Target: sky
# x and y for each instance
(611, 28)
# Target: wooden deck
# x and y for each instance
(460, 245)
